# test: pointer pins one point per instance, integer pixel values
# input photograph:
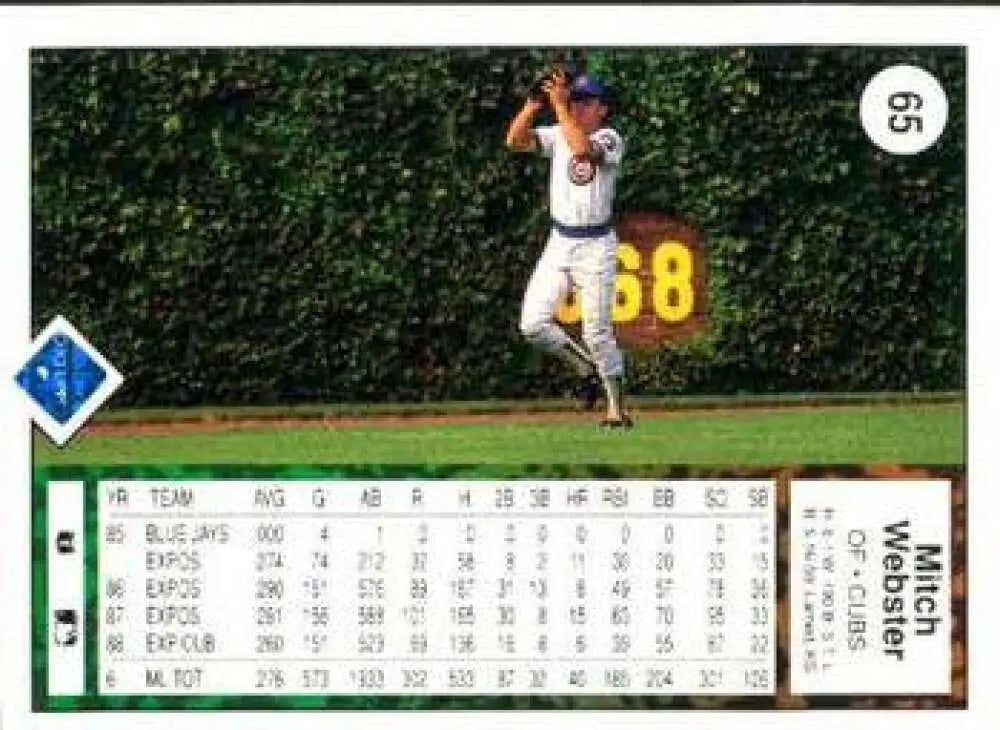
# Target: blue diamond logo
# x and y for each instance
(65, 380)
(61, 377)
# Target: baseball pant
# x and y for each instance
(591, 265)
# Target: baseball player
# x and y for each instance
(582, 246)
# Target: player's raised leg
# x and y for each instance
(595, 272)
(547, 287)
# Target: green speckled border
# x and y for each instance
(41, 702)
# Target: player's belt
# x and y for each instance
(582, 231)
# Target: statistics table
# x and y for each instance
(565, 587)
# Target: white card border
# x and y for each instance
(976, 27)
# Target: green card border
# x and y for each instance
(92, 701)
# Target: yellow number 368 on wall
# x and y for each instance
(660, 287)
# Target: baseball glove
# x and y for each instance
(536, 92)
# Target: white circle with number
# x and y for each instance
(904, 109)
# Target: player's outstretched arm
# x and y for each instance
(520, 137)
(557, 89)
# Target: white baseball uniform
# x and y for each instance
(581, 249)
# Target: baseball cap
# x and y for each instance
(585, 86)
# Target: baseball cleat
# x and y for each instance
(617, 424)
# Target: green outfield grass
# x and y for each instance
(920, 433)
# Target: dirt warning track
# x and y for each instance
(277, 423)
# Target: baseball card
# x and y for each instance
(436, 365)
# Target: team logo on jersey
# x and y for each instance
(581, 170)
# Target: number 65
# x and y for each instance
(904, 101)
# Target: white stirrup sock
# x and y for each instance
(613, 389)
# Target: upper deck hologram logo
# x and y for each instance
(65, 379)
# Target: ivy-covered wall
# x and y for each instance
(267, 226)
